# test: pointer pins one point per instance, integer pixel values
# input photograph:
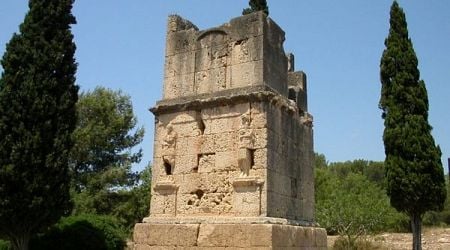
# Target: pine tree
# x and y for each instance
(256, 5)
(104, 152)
(37, 117)
(415, 178)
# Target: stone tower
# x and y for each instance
(233, 149)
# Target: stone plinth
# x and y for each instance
(228, 236)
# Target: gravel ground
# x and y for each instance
(432, 239)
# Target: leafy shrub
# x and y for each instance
(4, 245)
(350, 206)
(86, 232)
(344, 243)
(351, 198)
(439, 218)
(397, 223)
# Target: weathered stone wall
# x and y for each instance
(197, 157)
(241, 158)
(297, 89)
(218, 151)
(244, 52)
(289, 170)
(229, 236)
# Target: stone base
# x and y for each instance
(149, 236)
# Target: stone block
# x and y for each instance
(163, 203)
(191, 183)
(186, 164)
(180, 42)
(207, 204)
(277, 204)
(206, 182)
(226, 161)
(224, 125)
(206, 141)
(296, 237)
(246, 50)
(212, 37)
(203, 59)
(227, 236)
(202, 82)
(161, 235)
(178, 117)
(258, 115)
(234, 110)
(172, 87)
(247, 74)
(226, 142)
(234, 235)
(157, 168)
(247, 197)
(179, 64)
(220, 79)
(240, 52)
(320, 236)
(279, 183)
(188, 128)
(261, 139)
(220, 56)
(247, 26)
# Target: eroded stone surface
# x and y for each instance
(229, 236)
(247, 51)
(233, 147)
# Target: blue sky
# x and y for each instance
(120, 45)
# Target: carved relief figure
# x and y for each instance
(246, 144)
(169, 141)
(168, 146)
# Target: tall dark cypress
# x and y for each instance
(256, 5)
(414, 171)
(37, 117)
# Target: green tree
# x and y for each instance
(320, 161)
(134, 204)
(86, 232)
(374, 171)
(37, 117)
(103, 154)
(137, 203)
(351, 206)
(256, 5)
(415, 178)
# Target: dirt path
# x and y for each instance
(432, 239)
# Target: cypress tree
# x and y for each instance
(256, 5)
(415, 177)
(37, 116)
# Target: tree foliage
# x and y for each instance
(128, 205)
(352, 206)
(372, 170)
(256, 5)
(86, 231)
(102, 157)
(351, 202)
(138, 204)
(37, 117)
(415, 178)
(348, 202)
